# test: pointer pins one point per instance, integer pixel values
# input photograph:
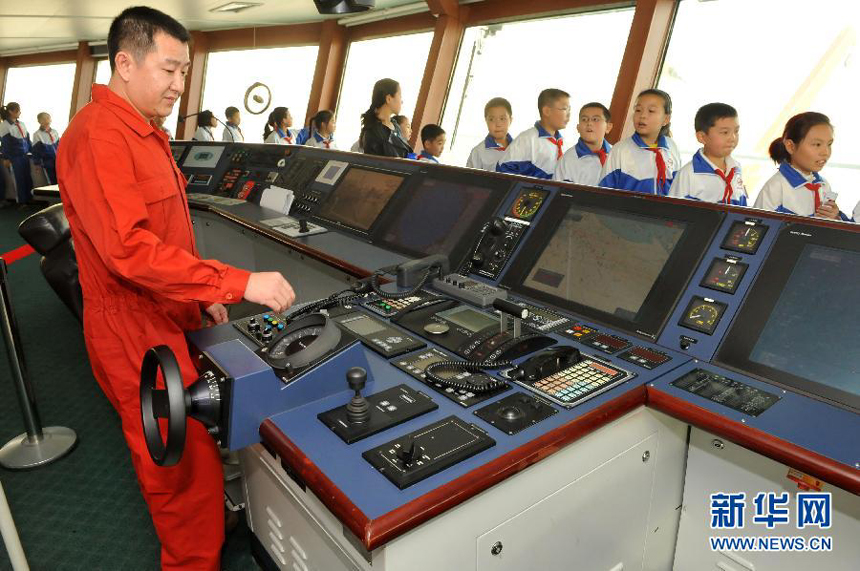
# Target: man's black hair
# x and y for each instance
(134, 30)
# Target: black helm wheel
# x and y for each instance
(169, 452)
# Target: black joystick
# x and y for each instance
(498, 227)
(357, 411)
(406, 452)
(303, 226)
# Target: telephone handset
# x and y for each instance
(546, 363)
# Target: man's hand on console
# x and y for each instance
(270, 289)
(218, 313)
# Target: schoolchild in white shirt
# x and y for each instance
(278, 128)
(232, 131)
(433, 141)
(205, 123)
(322, 126)
(647, 161)
(583, 162)
(537, 150)
(801, 152)
(713, 175)
(46, 141)
(486, 154)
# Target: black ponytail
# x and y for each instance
(665, 130)
(4, 113)
(320, 119)
(204, 119)
(381, 89)
(795, 131)
(277, 115)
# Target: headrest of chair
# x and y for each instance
(46, 229)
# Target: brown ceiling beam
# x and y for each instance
(498, 10)
(3, 67)
(328, 73)
(438, 70)
(192, 98)
(85, 74)
(394, 27)
(265, 37)
(643, 56)
(447, 7)
(42, 58)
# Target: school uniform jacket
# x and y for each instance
(787, 191)
(581, 165)
(425, 156)
(203, 134)
(533, 153)
(14, 139)
(486, 154)
(320, 142)
(632, 166)
(699, 180)
(232, 133)
(45, 144)
(283, 137)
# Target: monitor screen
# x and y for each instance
(441, 216)
(203, 157)
(620, 261)
(608, 261)
(469, 319)
(800, 325)
(360, 197)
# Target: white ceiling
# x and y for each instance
(40, 24)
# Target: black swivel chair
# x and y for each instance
(48, 233)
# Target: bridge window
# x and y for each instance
(580, 54)
(796, 68)
(42, 88)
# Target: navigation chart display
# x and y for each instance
(606, 261)
(360, 197)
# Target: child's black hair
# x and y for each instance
(708, 115)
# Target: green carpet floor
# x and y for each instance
(85, 511)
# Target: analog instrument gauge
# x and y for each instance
(724, 275)
(744, 236)
(703, 314)
(302, 342)
(528, 203)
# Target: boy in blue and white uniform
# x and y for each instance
(15, 150)
(433, 141)
(583, 162)
(713, 175)
(647, 161)
(45, 143)
(536, 151)
(486, 154)
(801, 152)
(232, 132)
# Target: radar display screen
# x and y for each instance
(360, 197)
(441, 216)
(614, 264)
(800, 325)
(619, 261)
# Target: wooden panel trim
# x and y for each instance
(438, 71)
(265, 37)
(377, 532)
(782, 451)
(192, 97)
(328, 73)
(85, 74)
(3, 67)
(421, 22)
(643, 57)
(503, 10)
(45, 58)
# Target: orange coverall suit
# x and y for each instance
(144, 285)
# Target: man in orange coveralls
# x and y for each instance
(142, 280)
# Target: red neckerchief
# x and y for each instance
(601, 154)
(661, 167)
(558, 143)
(727, 193)
(814, 186)
(20, 130)
(48, 131)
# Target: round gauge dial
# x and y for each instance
(744, 237)
(703, 314)
(528, 203)
(724, 275)
(302, 342)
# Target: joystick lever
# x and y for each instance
(406, 452)
(510, 310)
(357, 411)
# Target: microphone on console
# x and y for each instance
(182, 118)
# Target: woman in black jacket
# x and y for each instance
(379, 134)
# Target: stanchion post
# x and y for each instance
(10, 535)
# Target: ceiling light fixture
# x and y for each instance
(235, 7)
